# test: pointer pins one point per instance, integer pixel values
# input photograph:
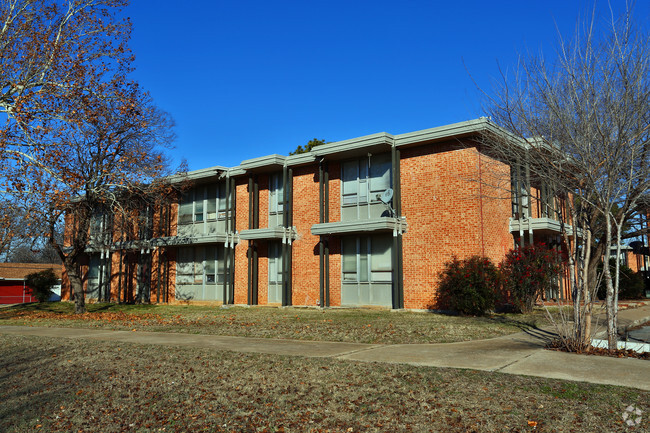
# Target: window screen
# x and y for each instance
(363, 179)
(185, 266)
(275, 262)
(367, 258)
(211, 203)
(276, 194)
(380, 180)
(186, 208)
(209, 266)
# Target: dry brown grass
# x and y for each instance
(351, 325)
(61, 385)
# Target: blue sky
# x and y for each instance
(249, 78)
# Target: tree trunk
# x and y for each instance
(76, 287)
(612, 334)
(586, 337)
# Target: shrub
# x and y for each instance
(41, 284)
(631, 284)
(469, 286)
(527, 272)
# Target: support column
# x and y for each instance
(323, 247)
(253, 223)
(109, 270)
(530, 201)
(396, 253)
(233, 229)
(119, 278)
(520, 203)
(226, 251)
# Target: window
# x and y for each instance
(519, 191)
(275, 263)
(209, 266)
(274, 294)
(97, 224)
(186, 208)
(367, 258)
(276, 200)
(364, 179)
(200, 265)
(211, 203)
(276, 192)
(199, 196)
(203, 203)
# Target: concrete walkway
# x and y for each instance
(520, 353)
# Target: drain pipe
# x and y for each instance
(321, 246)
(285, 223)
(226, 254)
(396, 256)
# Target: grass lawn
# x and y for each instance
(352, 325)
(62, 385)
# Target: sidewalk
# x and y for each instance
(520, 353)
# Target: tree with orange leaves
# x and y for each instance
(79, 136)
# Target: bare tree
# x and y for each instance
(12, 229)
(79, 136)
(581, 124)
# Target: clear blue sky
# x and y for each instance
(249, 78)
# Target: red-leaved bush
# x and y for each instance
(527, 272)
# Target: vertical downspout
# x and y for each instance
(138, 279)
(249, 252)
(400, 248)
(396, 256)
(326, 219)
(119, 278)
(256, 224)
(100, 288)
(530, 199)
(284, 237)
(166, 292)
(233, 228)
(520, 204)
(321, 246)
(289, 209)
(149, 275)
(286, 249)
(226, 257)
(109, 270)
(158, 284)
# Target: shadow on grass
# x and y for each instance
(32, 384)
(68, 308)
(527, 326)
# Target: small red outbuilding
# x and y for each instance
(13, 289)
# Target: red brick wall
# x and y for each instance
(305, 254)
(241, 258)
(335, 242)
(263, 274)
(450, 198)
(447, 211)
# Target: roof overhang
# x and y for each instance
(264, 164)
(446, 132)
(360, 226)
(267, 234)
(355, 147)
(544, 225)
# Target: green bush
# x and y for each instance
(527, 272)
(41, 284)
(469, 286)
(631, 284)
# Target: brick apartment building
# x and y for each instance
(365, 221)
